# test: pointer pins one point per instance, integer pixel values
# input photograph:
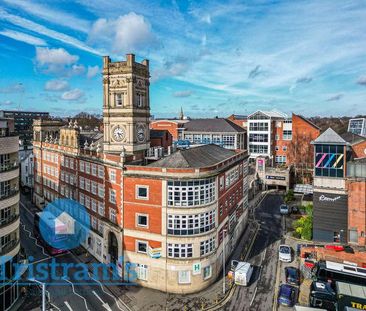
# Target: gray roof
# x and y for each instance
(330, 137)
(212, 125)
(90, 137)
(195, 157)
(353, 138)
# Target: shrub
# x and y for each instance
(304, 226)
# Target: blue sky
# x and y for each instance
(210, 57)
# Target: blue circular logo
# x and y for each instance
(64, 224)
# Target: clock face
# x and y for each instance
(118, 133)
(140, 134)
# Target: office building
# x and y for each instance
(357, 126)
(9, 212)
(168, 218)
(23, 122)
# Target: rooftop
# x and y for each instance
(330, 137)
(353, 138)
(219, 125)
(202, 156)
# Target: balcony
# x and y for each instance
(7, 248)
(9, 220)
(9, 167)
(8, 194)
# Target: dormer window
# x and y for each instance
(119, 99)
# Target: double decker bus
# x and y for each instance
(329, 271)
(48, 228)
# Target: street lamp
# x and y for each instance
(43, 292)
(223, 262)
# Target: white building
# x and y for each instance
(9, 211)
(26, 168)
(357, 126)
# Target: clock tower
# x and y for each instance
(126, 106)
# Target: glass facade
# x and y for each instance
(191, 224)
(329, 160)
(191, 193)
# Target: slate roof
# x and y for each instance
(330, 137)
(218, 125)
(91, 137)
(202, 156)
(353, 138)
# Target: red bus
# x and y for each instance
(50, 230)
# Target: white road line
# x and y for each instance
(68, 306)
(26, 208)
(264, 254)
(255, 292)
(104, 304)
(110, 295)
(73, 289)
(30, 235)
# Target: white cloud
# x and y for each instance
(42, 30)
(56, 85)
(60, 56)
(127, 33)
(21, 36)
(361, 80)
(186, 93)
(72, 95)
(7, 103)
(51, 15)
(12, 88)
(92, 71)
(58, 61)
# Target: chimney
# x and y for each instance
(130, 59)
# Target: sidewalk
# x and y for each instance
(141, 298)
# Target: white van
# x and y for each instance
(242, 273)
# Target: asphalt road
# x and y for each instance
(63, 293)
(264, 256)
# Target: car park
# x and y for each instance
(285, 253)
(292, 275)
(287, 295)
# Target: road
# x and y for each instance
(264, 257)
(63, 293)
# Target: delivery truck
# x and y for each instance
(322, 295)
(242, 273)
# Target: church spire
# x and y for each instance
(181, 114)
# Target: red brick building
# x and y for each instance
(167, 220)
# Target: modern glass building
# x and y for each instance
(357, 126)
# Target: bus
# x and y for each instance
(49, 228)
(328, 271)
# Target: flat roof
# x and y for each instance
(351, 290)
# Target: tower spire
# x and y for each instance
(181, 114)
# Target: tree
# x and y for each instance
(304, 226)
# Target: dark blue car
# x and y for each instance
(287, 295)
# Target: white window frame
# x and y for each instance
(184, 277)
(137, 220)
(112, 198)
(210, 274)
(81, 166)
(142, 272)
(101, 171)
(137, 192)
(112, 172)
(142, 242)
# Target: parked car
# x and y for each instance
(292, 276)
(284, 209)
(287, 295)
(285, 253)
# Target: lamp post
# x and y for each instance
(43, 292)
(223, 261)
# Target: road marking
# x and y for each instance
(30, 235)
(26, 208)
(104, 304)
(68, 306)
(264, 255)
(116, 300)
(255, 292)
(73, 289)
